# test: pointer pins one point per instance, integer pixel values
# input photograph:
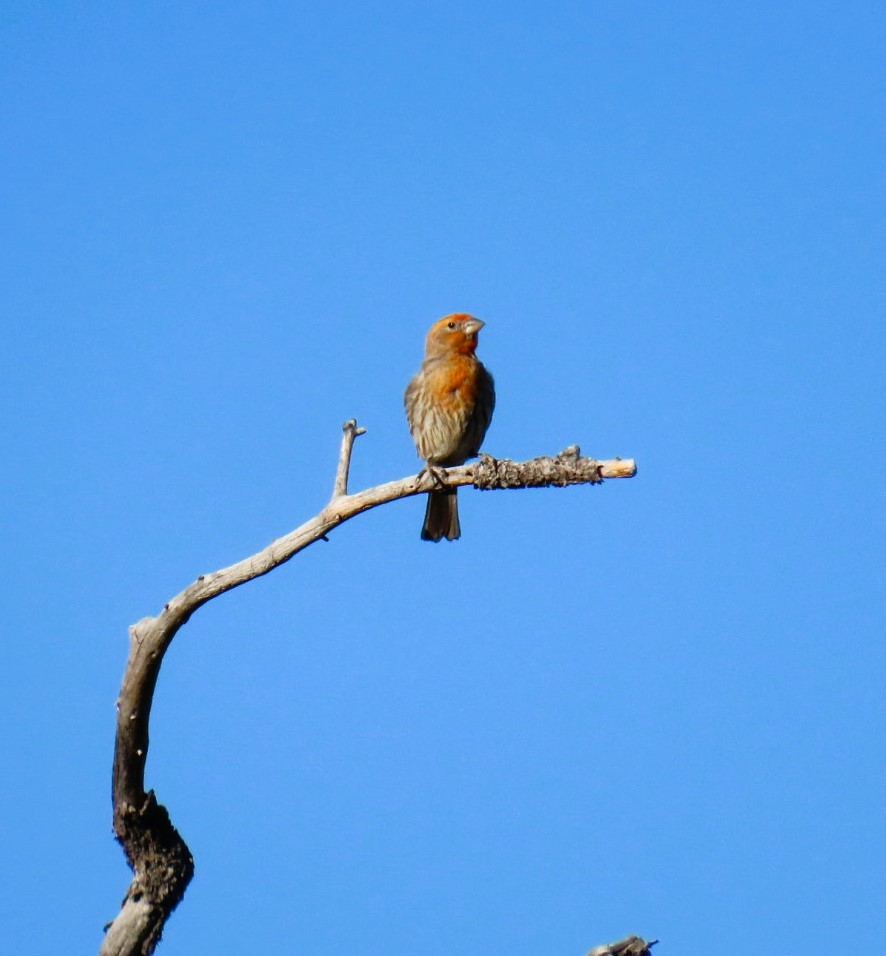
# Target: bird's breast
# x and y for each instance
(453, 381)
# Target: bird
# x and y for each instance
(449, 405)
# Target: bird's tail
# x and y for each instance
(441, 516)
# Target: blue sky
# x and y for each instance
(651, 707)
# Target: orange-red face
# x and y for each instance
(454, 334)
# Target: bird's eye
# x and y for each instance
(451, 325)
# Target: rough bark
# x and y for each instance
(160, 860)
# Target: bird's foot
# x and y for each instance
(437, 474)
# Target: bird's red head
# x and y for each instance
(454, 334)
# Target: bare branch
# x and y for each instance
(161, 862)
(630, 946)
(350, 433)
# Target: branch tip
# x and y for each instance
(351, 425)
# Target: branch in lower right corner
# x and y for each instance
(630, 946)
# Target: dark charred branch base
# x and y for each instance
(156, 851)
(163, 868)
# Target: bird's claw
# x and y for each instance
(437, 475)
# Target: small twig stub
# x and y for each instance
(350, 431)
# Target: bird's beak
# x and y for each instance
(473, 326)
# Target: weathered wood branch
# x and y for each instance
(349, 434)
(630, 946)
(160, 860)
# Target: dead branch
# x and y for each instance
(630, 946)
(160, 860)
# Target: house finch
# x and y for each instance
(449, 405)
